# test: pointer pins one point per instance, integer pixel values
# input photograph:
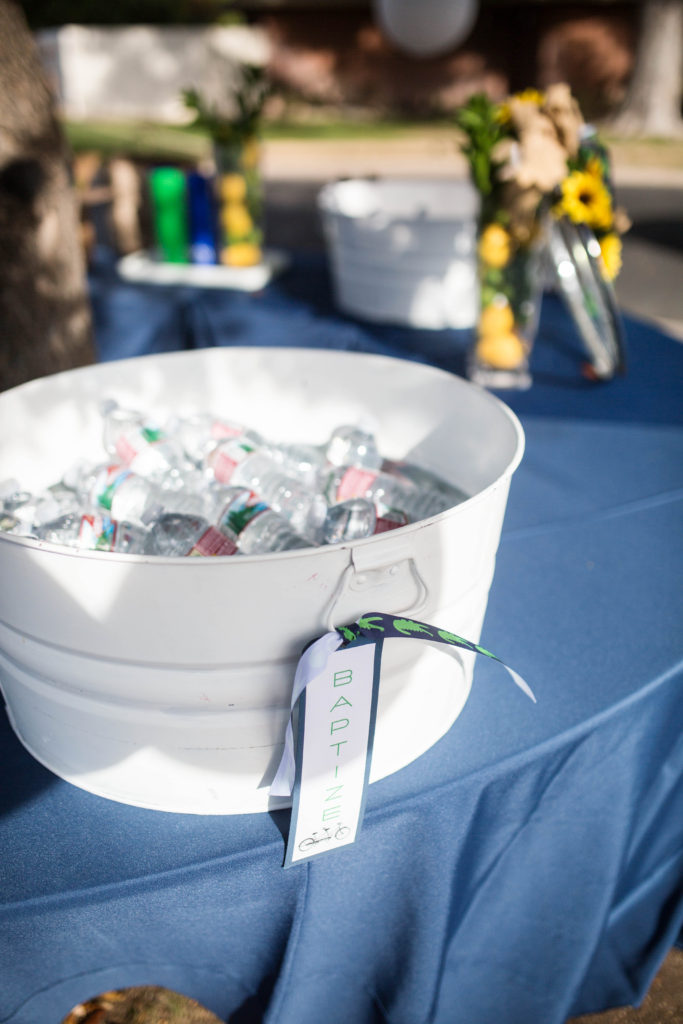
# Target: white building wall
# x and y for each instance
(138, 72)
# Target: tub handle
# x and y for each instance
(378, 574)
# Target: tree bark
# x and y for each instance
(45, 319)
(653, 101)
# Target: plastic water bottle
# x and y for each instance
(349, 520)
(31, 509)
(12, 499)
(305, 508)
(11, 494)
(422, 477)
(8, 522)
(198, 434)
(304, 462)
(357, 518)
(176, 535)
(134, 441)
(385, 491)
(254, 526)
(94, 532)
(353, 446)
(225, 457)
(390, 519)
(126, 495)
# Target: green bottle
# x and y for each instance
(169, 211)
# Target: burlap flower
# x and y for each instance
(538, 159)
(563, 111)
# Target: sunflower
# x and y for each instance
(585, 200)
(610, 252)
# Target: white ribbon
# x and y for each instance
(311, 664)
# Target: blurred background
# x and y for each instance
(356, 87)
(91, 98)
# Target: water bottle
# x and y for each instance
(422, 477)
(174, 534)
(198, 434)
(305, 509)
(353, 446)
(134, 441)
(254, 526)
(349, 520)
(224, 458)
(31, 509)
(127, 495)
(11, 494)
(304, 462)
(8, 522)
(94, 532)
(385, 490)
(12, 499)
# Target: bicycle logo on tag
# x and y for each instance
(326, 836)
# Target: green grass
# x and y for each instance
(187, 145)
(137, 140)
(155, 141)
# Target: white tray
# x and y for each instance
(142, 267)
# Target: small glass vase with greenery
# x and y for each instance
(235, 134)
(531, 158)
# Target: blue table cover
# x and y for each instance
(529, 866)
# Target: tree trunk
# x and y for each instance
(653, 101)
(45, 319)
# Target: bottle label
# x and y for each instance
(391, 519)
(240, 512)
(107, 483)
(354, 483)
(131, 442)
(212, 542)
(226, 460)
(220, 430)
(98, 533)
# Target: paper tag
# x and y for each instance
(334, 748)
(335, 692)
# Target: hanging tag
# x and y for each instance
(335, 731)
(334, 699)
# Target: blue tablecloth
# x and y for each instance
(529, 866)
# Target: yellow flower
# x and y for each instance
(495, 246)
(594, 167)
(233, 188)
(495, 319)
(610, 252)
(244, 254)
(503, 352)
(530, 96)
(585, 200)
(503, 112)
(236, 220)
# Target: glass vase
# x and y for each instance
(510, 279)
(239, 196)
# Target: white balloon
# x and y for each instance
(426, 28)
